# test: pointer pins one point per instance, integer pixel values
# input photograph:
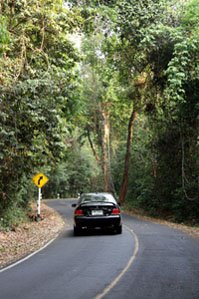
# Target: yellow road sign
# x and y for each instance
(40, 180)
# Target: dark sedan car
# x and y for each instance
(97, 210)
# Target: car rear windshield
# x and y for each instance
(97, 198)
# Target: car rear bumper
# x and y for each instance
(94, 222)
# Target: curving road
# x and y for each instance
(147, 261)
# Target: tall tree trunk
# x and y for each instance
(92, 146)
(124, 186)
(108, 183)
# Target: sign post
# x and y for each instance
(39, 203)
(39, 180)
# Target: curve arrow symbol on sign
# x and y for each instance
(39, 180)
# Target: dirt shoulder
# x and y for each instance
(29, 237)
(192, 231)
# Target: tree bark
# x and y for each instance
(92, 146)
(108, 182)
(124, 185)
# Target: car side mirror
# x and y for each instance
(74, 205)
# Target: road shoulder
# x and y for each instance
(192, 231)
(29, 237)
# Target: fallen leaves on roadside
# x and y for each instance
(29, 237)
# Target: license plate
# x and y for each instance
(97, 213)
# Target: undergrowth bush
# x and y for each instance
(12, 217)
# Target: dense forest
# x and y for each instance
(100, 96)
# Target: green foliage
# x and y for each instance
(78, 171)
(150, 62)
(36, 92)
(170, 52)
(4, 35)
(135, 16)
(95, 3)
(140, 55)
(183, 68)
(12, 217)
(190, 18)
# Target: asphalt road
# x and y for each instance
(147, 261)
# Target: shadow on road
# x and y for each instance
(88, 233)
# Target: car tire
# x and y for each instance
(118, 230)
(77, 231)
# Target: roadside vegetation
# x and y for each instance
(118, 113)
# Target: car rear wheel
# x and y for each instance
(118, 229)
(77, 231)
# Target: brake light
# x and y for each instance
(115, 211)
(79, 212)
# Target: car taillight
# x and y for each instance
(79, 212)
(115, 211)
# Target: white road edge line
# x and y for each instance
(28, 256)
(131, 260)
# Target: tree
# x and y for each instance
(36, 66)
(170, 50)
(133, 19)
(96, 92)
